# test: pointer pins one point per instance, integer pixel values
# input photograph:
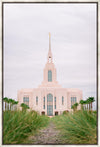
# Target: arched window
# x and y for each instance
(50, 104)
(49, 76)
(49, 98)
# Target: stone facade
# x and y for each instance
(49, 98)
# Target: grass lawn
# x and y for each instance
(77, 128)
(18, 125)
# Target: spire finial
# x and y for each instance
(49, 53)
(49, 41)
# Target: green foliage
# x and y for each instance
(81, 102)
(9, 101)
(77, 128)
(95, 112)
(87, 102)
(24, 107)
(18, 125)
(65, 112)
(74, 107)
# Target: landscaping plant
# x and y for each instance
(77, 128)
(18, 125)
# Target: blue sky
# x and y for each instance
(73, 44)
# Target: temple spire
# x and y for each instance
(49, 53)
(49, 41)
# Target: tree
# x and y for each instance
(10, 101)
(76, 104)
(91, 101)
(24, 106)
(84, 103)
(12, 104)
(5, 99)
(16, 102)
(8, 104)
(74, 107)
(81, 102)
(88, 104)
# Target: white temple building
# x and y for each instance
(49, 98)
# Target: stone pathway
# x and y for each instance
(48, 135)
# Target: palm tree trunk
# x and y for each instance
(5, 106)
(10, 106)
(81, 107)
(87, 107)
(91, 106)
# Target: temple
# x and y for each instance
(49, 98)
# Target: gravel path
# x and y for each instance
(48, 135)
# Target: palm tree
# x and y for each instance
(5, 99)
(91, 101)
(85, 102)
(81, 102)
(10, 101)
(88, 102)
(8, 104)
(76, 104)
(15, 103)
(12, 104)
(24, 107)
(73, 107)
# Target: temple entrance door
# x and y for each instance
(49, 104)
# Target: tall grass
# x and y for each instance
(18, 125)
(77, 128)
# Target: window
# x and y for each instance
(43, 106)
(44, 99)
(73, 100)
(26, 100)
(44, 103)
(49, 76)
(55, 102)
(37, 100)
(50, 104)
(62, 100)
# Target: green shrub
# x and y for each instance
(65, 112)
(18, 125)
